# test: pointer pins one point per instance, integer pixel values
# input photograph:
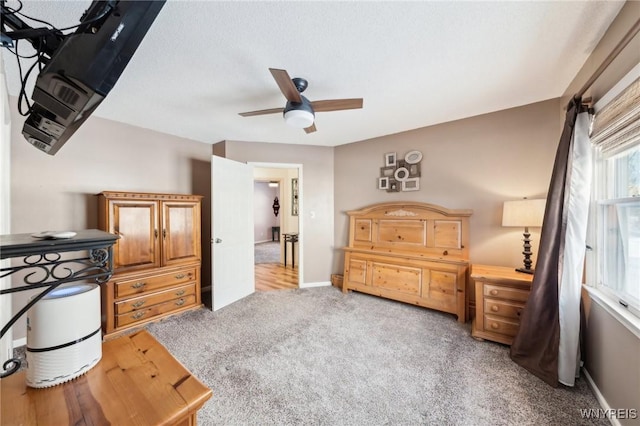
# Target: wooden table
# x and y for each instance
(137, 382)
(293, 239)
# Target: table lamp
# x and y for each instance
(524, 214)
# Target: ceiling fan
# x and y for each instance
(300, 111)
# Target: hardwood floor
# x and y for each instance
(274, 276)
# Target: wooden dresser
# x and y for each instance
(501, 294)
(137, 382)
(411, 252)
(157, 258)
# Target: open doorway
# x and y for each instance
(267, 215)
(276, 227)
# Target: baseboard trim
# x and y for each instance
(317, 284)
(599, 397)
(19, 342)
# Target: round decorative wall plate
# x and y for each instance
(413, 157)
(401, 173)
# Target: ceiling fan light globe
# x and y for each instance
(297, 118)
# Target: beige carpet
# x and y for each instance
(319, 357)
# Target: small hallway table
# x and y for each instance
(137, 382)
(292, 239)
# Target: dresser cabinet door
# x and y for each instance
(180, 232)
(136, 223)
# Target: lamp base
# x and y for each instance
(527, 253)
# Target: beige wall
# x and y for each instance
(613, 360)
(623, 63)
(316, 191)
(476, 163)
(288, 222)
(58, 192)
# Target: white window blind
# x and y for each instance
(616, 126)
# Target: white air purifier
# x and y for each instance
(64, 338)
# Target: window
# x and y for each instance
(616, 140)
(618, 224)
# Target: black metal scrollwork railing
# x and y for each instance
(43, 266)
(50, 270)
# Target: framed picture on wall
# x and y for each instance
(294, 197)
(411, 184)
(387, 171)
(394, 186)
(400, 173)
(390, 159)
(383, 183)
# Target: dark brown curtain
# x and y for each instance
(535, 347)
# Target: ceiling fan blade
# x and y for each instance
(336, 104)
(261, 112)
(285, 84)
(311, 128)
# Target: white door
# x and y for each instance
(232, 248)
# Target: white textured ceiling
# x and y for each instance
(414, 63)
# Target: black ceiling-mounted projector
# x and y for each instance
(82, 66)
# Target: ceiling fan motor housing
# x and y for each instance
(300, 83)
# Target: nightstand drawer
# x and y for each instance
(502, 292)
(501, 325)
(503, 308)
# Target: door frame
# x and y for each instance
(300, 248)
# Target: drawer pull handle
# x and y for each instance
(495, 325)
(494, 292)
(180, 276)
(139, 314)
(138, 285)
(518, 312)
(494, 308)
(180, 302)
(138, 303)
(180, 292)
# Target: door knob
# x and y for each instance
(218, 241)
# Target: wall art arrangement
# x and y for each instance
(294, 197)
(400, 174)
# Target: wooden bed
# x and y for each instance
(412, 252)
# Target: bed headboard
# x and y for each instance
(412, 228)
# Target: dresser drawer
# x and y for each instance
(501, 292)
(154, 310)
(503, 308)
(142, 302)
(144, 284)
(501, 325)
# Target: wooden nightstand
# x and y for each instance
(501, 294)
